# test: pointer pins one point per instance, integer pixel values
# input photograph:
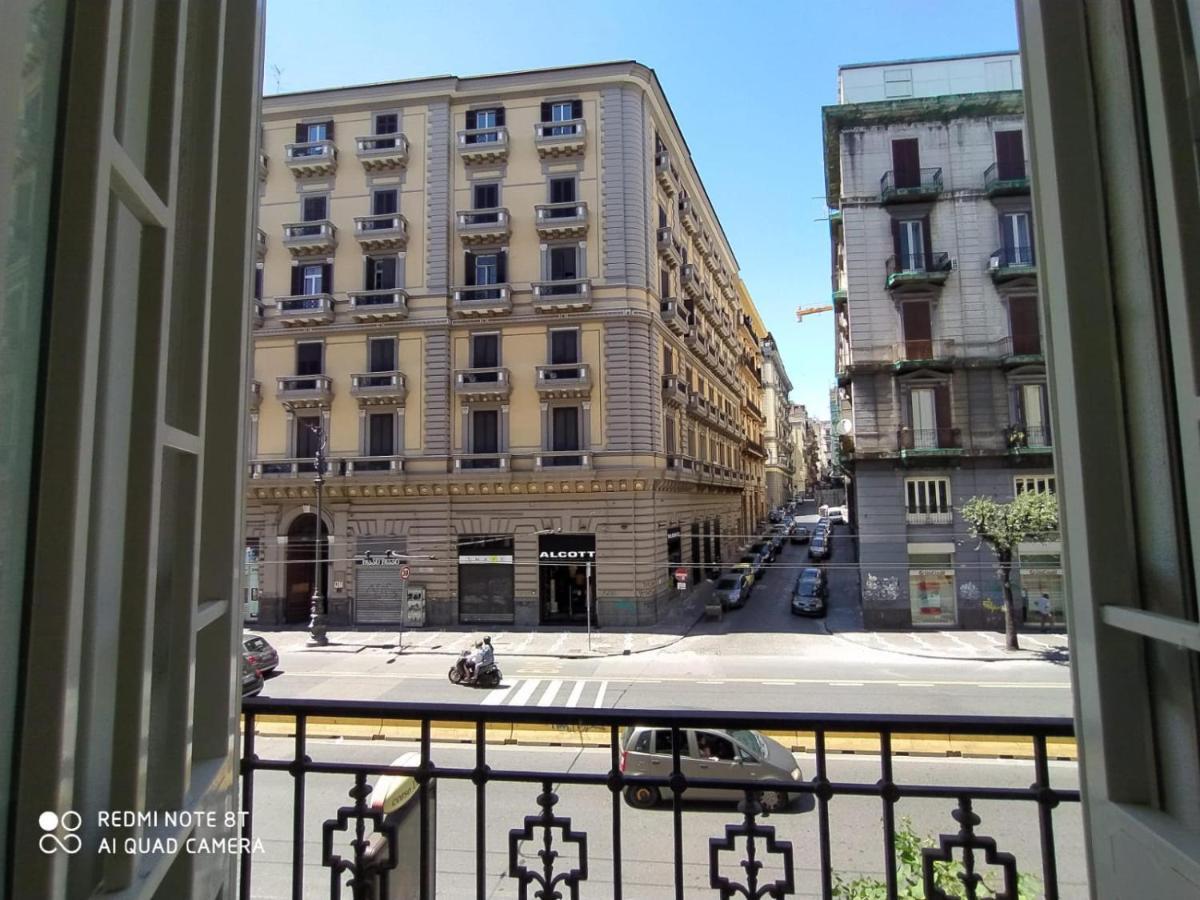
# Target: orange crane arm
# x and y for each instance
(811, 310)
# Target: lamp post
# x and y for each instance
(316, 624)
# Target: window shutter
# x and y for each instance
(546, 112)
(1010, 155)
(1006, 236)
(1016, 411)
(896, 242)
(470, 118)
(297, 280)
(368, 280)
(576, 109)
(499, 116)
(502, 266)
(329, 129)
(327, 278)
(301, 132)
(906, 163)
(470, 268)
(941, 409)
(927, 236)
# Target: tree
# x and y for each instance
(1002, 526)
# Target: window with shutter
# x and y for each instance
(1024, 327)
(385, 202)
(664, 283)
(562, 111)
(941, 397)
(906, 163)
(910, 245)
(382, 355)
(562, 190)
(312, 279)
(314, 209)
(310, 358)
(381, 434)
(485, 351)
(923, 417)
(381, 273)
(485, 196)
(485, 431)
(1016, 238)
(565, 428)
(564, 346)
(1010, 155)
(916, 320)
(564, 263)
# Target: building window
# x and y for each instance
(668, 360)
(385, 204)
(906, 163)
(380, 273)
(312, 279)
(1023, 326)
(485, 431)
(1010, 155)
(929, 418)
(258, 282)
(562, 190)
(485, 119)
(669, 434)
(486, 196)
(311, 132)
(564, 346)
(927, 501)
(486, 269)
(917, 321)
(564, 263)
(1016, 240)
(485, 350)
(381, 434)
(386, 123)
(562, 111)
(911, 247)
(1030, 416)
(1038, 484)
(931, 588)
(664, 283)
(381, 355)
(662, 216)
(564, 429)
(307, 436)
(310, 358)
(314, 208)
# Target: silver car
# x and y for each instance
(707, 753)
(259, 653)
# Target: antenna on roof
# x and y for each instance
(278, 77)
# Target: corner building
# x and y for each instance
(509, 309)
(941, 378)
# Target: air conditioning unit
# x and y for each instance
(994, 263)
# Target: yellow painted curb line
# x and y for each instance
(556, 735)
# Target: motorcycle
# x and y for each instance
(486, 675)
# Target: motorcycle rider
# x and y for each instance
(472, 661)
(487, 656)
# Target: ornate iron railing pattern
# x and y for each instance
(362, 873)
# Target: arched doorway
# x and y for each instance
(301, 558)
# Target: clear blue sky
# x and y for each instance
(773, 63)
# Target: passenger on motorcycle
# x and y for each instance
(473, 659)
(487, 656)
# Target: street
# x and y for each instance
(855, 833)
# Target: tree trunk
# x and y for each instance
(1010, 618)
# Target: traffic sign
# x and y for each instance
(681, 575)
(405, 571)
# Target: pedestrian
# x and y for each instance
(1041, 606)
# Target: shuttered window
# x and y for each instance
(565, 427)
(926, 497)
(382, 355)
(310, 358)
(1010, 155)
(381, 434)
(485, 431)
(564, 346)
(1038, 484)
(380, 273)
(906, 163)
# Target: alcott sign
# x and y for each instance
(561, 555)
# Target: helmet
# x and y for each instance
(488, 641)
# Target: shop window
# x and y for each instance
(931, 588)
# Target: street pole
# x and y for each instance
(403, 612)
(587, 601)
(316, 625)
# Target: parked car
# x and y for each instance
(835, 514)
(809, 593)
(750, 565)
(259, 653)
(818, 547)
(252, 680)
(734, 589)
(777, 542)
(765, 549)
(708, 753)
(801, 535)
(824, 522)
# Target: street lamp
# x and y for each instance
(317, 609)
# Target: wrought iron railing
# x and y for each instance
(358, 838)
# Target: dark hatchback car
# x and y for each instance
(818, 547)
(733, 588)
(808, 596)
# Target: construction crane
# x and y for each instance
(811, 311)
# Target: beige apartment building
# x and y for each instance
(507, 307)
(777, 433)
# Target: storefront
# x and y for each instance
(251, 583)
(378, 588)
(1039, 568)
(674, 553)
(485, 580)
(563, 587)
(931, 590)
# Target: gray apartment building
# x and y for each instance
(941, 380)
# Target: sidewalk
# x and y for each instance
(980, 646)
(563, 642)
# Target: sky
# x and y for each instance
(746, 82)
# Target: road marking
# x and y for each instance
(914, 684)
(782, 683)
(495, 698)
(521, 697)
(600, 695)
(575, 692)
(710, 682)
(548, 697)
(844, 683)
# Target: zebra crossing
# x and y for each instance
(548, 692)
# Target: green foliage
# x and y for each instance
(1002, 526)
(909, 884)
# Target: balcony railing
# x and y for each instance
(482, 384)
(561, 294)
(929, 439)
(482, 299)
(1021, 346)
(310, 238)
(388, 231)
(1011, 179)
(378, 387)
(918, 269)
(689, 278)
(1029, 437)
(1008, 263)
(554, 459)
(260, 242)
(559, 139)
(291, 467)
(664, 170)
(361, 465)
(305, 309)
(381, 152)
(308, 158)
(923, 185)
(483, 145)
(557, 817)
(676, 318)
(675, 390)
(564, 380)
(561, 220)
(482, 226)
(670, 250)
(379, 305)
(914, 517)
(304, 390)
(499, 462)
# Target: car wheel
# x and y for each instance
(642, 796)
(772, 801)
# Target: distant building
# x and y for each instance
(777, 433)
(940, 372)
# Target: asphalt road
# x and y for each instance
(856, 837)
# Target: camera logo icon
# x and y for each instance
(51, 823)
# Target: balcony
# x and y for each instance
(910, 187)
(305, 310)
(483, 146)
(564, 381)
(495, 462)
(384, 232)
(479, 227)
(708, 247)
(1009, 263)
(1021, 349)
(559, 221)
(260, 243)
(922, 354)
(382, 152)
(254, 396)
(689, 279)
(751, 407)
(482, 300)
(555, 140)
(317, 238)
(674, 391)
(378, 388)
(291, 467)
(664, 171)
(675, 317)
(562, 295)
(1012, 180)
(379, 465)
(1024, 440)
(382, 305)
(482, 385)
(929, 442)
(555, 459)
(311, 159)
(912, 517)
(688, 217)
(670, 250)
(263, 159)
(754, 448)
(922, 270)
(304, 391)
(257, 314)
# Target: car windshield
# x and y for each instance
(256, 643)
(749, 740)
(728, 583)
